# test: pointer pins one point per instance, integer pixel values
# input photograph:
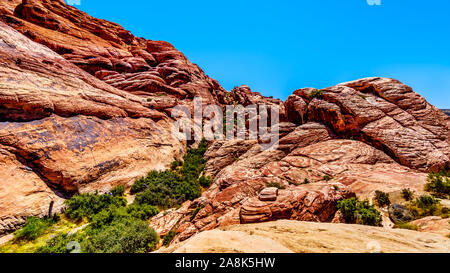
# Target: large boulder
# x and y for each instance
(399, 213)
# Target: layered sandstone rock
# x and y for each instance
(99, 47)
(61, 129)
(384, 113)
(316, 174)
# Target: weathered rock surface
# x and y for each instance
(62, 129)
(384, 113)
(99, 47)
(308, 237)
(85, 105)
(434, 224)
(314, 178)
(268, 194)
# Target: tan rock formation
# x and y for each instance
(308, 237)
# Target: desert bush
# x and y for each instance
(406, 226)
(171, 188)
(34, 227)
(359, 212)
(175, 164)
(205, 181)
(327, 177)
(57, 244)
(87, 205)
(159, 194)
(122, 235)
(275, 185)
(195, 212)
(169, 237)
(118, 190)
(439, 183)
(424, 205)
(407, 194)
(382, 198)
(316, 94)
(143, 211)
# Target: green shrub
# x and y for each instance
(195, 212)
(306, 181)
(123, 235)
(161, 194)
(33, 228)
(359, 212)
(169, 188)
(107, 216)
(205, 181)
(382, 198)
(169, 237)
(327, 177)
(118, 190)
(316, 94)
(423, 206)
(275, 185)
(175, 164)
(87, 205)
(60, 243)
(407, 194)
(439, 184)
(406, 226)
(143, 212)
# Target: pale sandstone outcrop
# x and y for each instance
(309, 237)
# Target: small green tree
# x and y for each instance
(359, 212)
(439, 184)
(407, 194)
(382, 198)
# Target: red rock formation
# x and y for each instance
(317, 173)
(384, 113)
(62, 129)
(85, 105)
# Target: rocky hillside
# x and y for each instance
(85, 105)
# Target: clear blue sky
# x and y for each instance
(276, 47)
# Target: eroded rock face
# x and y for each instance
(97, 46)
(312, 175)
(64, 131)
(384, 113)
